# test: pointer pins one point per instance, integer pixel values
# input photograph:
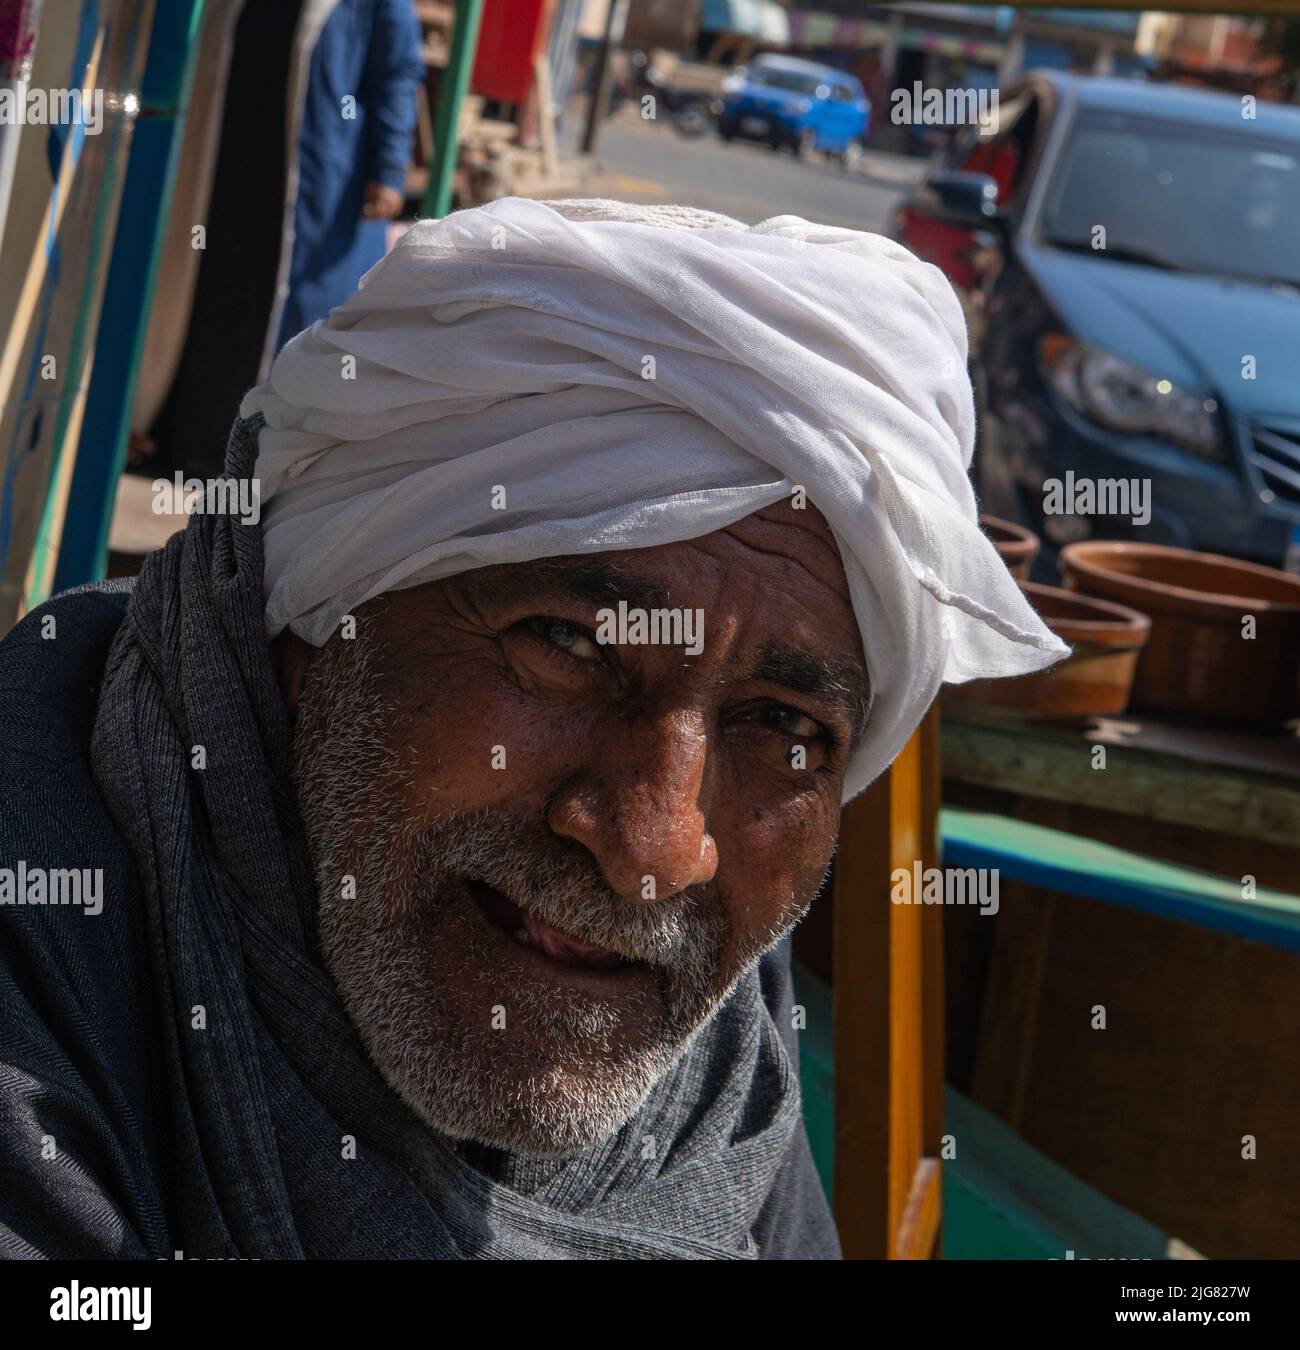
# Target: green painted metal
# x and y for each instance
(446, 118)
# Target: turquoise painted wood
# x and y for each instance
(128, 296)
(1002, 1199)
(1062, 862)
(817, 1070)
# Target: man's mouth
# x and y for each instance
(540, 939)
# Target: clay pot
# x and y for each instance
(1198, 660)
(1093, 681)
(1016, 546)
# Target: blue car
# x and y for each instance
(1129, 255)
(797, 105)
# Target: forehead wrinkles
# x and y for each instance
(790, 555)
(801, 537)
(791, 548)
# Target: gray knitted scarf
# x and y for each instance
(287, 1142)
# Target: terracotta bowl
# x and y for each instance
(1016, 546)
(1093, 681)
(1197, 660)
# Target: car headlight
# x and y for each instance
(803, 106)
(1127, 397)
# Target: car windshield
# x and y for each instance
(797, 81)
(1182, 197)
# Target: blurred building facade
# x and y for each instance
(974, 45)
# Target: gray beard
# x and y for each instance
(409, 952)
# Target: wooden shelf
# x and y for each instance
(1218, 779)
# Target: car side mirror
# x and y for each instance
(960, 198)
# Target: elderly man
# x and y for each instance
(451, 821)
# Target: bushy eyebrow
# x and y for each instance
(584, 577)
(843, 683)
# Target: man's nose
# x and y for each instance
(641, 812)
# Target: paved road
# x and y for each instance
(645, 162)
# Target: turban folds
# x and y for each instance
(634, 376)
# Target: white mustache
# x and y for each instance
(503, 853)
(574, 915)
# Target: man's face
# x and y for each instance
(544, 858)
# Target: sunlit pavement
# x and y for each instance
(648, 162)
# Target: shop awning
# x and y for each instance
(762, 20)
(815, 28)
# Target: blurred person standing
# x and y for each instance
(357, 125)
(317, 124)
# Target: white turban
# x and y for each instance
(634, 376)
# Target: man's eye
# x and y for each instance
(791, 722)
(568, 637)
